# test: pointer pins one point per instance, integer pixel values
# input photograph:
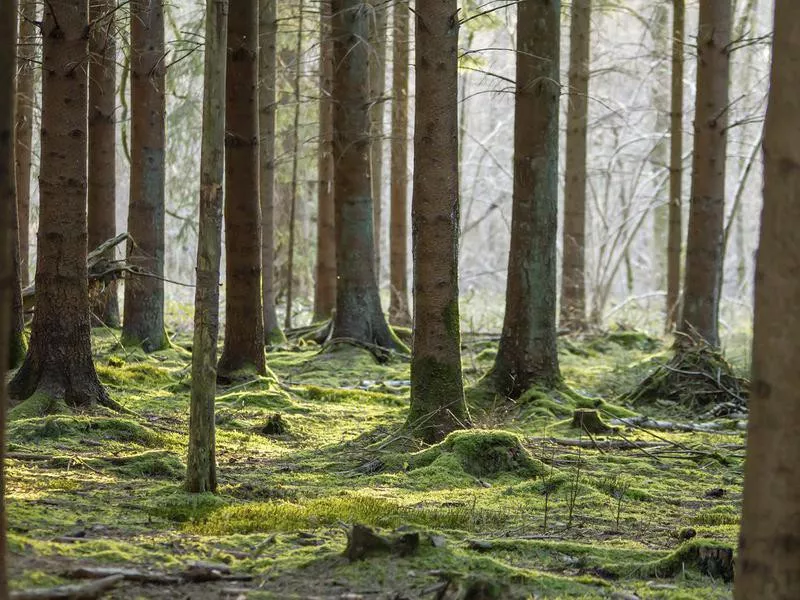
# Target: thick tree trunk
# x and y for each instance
(675, 232)
(767, 564)
(437, 392)
(573, 282)
(244, 325)
(704, 256)
(325, 284)
(398, 231)
(527, 354)
(377, 84)
(358, 305)
(26, 53)
(144, 296)
(201, 470)
(59, 364)
(102, 146)
(268, 31)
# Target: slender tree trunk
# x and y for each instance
(8, 205)
(325, 285)
(573, 279)
(102, 146)
(59, 364)
(675, 232)
(437, 392)
(704, 256)
(144, 296)
(358, 305)
(659, 156)
(244, 325)
(268, 31)
(377, 83)
(28, 38)
(767, 565)
(398, 267)
(201, 471)
(527, 354)
(295, 165)
(16, 338)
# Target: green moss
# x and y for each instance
(102, 428)
(182, 506)
(718, 515)
(445, 472)
(708, 557)
(133, 374)
(38, 405)
(154, 463)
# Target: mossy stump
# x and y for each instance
(275, 425)
(362, 542)
(590, 421)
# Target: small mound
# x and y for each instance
(708, 557)
(483, 453)
(697, 377)
(103, 428)
(155, 463)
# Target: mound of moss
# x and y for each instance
(707, 557)
(483, 453)
(102, 428)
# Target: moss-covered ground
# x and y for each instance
(538, 509)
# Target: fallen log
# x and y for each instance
(81, 591)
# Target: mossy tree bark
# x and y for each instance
(767, 565)
(325, 283)
(59, 359)
(377, 84)
(102, 145)
(26, 53)
(704, 254)
(268, 31)
(358, 306)
(244, 324)
(573, 279)
(527, 354)
(398, 231)
(143, 322)
(201, 471)
(437, 391)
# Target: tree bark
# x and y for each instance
(59, 364)
(704, 255)
(398, 252)
(527, 354)
(144, 296)
(244, 325)
(659, 156)
(675, 230)
(325, 288)
(268, 31)
(377, 84)
(573, 282)
(8, 203)
(201, 471)
(28, 38)
(767, 565)
(437, 392)
(102, 147)
(358, 306)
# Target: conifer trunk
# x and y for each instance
(102, 146)
(377, 70)
(398, 252)
(201, 471)
(704, 255)
(144, 296)
(767, 565)
(527, 354)
(437, 391)
(244, 325)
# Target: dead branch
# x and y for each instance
(82, 591)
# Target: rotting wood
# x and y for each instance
(83, 591)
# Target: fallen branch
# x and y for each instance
(128, 574)
(82, 591)
(600, 444)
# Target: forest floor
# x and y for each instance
(525, 507)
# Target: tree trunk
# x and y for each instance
(437, 392)
(675, 231)
(659, 156)
(527, 354)
(377, 84)
(144, 296)
(28, 38)
(58, 366)
(102, 146)
(398, 253)
(244, 325)
(268, 31)
(704, 255)
(201, 470)
(767, 565)
(573, 282)
(358, 305)
(325, 287)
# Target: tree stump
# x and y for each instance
(590, 422)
